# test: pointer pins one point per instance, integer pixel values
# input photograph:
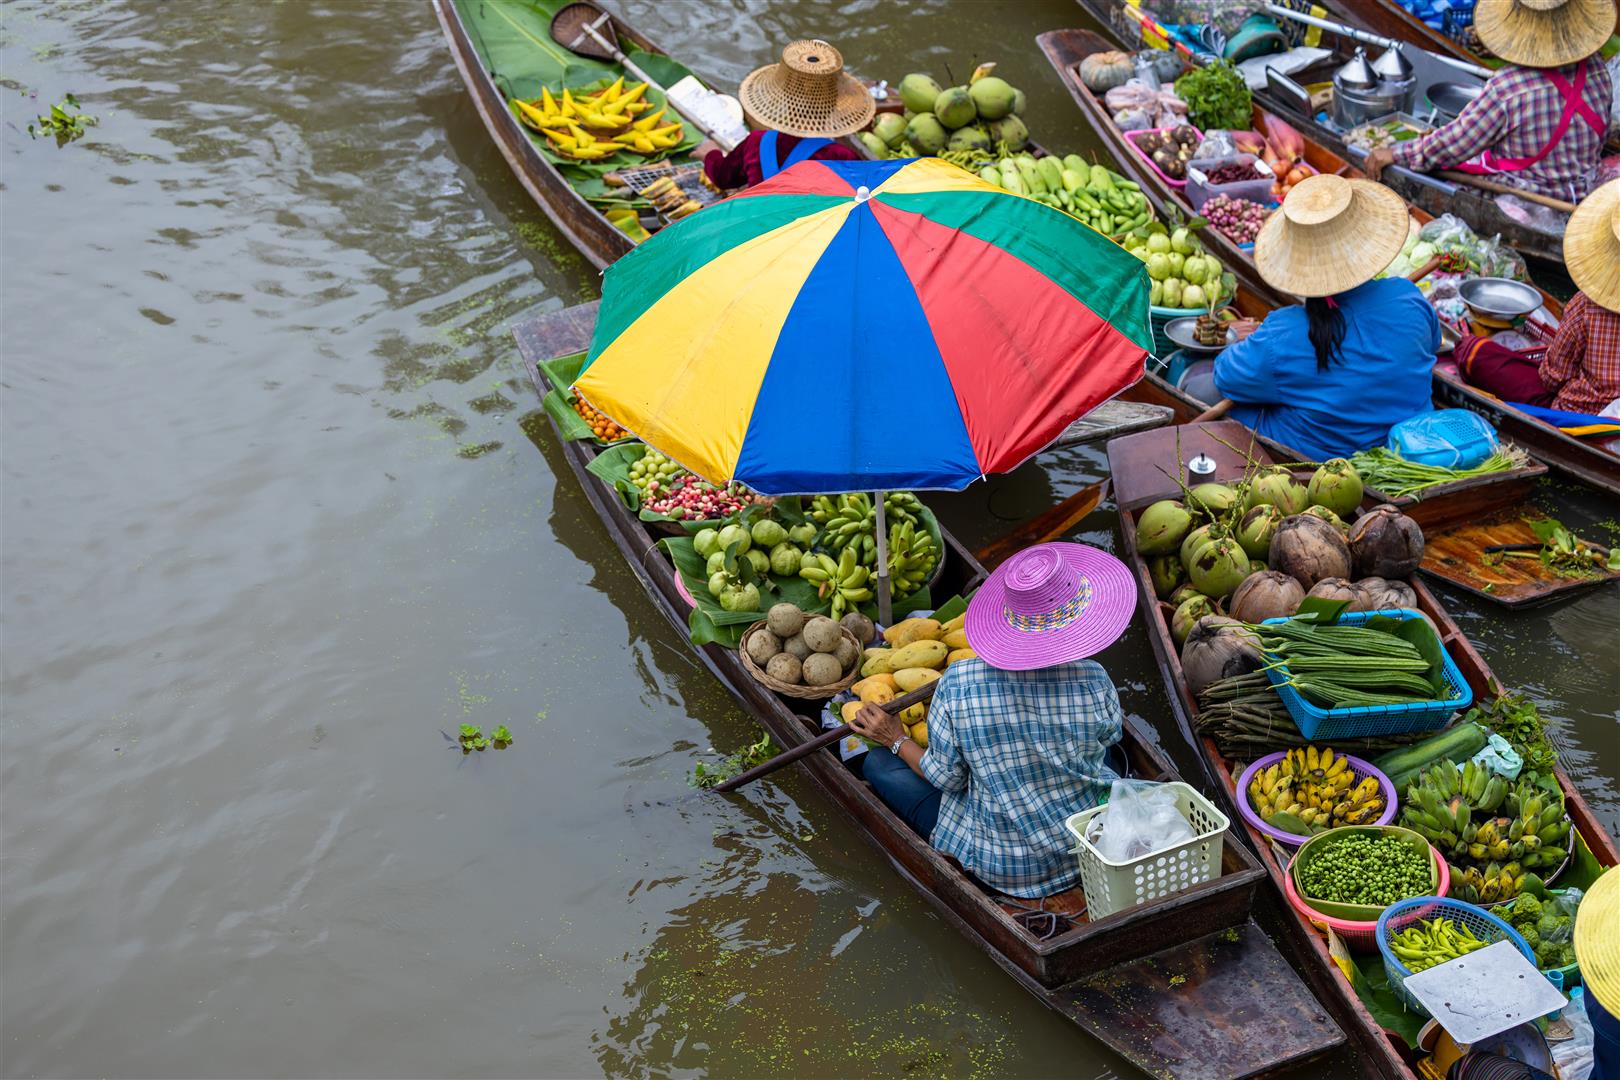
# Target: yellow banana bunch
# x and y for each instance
(1315, 788)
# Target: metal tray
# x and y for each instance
(1499, 297)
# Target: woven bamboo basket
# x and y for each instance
(799, 690)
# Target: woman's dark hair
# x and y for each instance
(1326, 324)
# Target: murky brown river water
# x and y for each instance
(278, 510)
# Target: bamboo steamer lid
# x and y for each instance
(1592, 246)
(1597, 940)
(1329, 235)
(1544, 33)
(808, 94)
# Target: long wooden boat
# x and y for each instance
(1240, 1011)
(1432, 194)
(1138, 483)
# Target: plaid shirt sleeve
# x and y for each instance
(1568, 346)
(942, 763)
(1480, 125)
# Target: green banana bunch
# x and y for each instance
(850, 521)
(842, 581)
(912, 558)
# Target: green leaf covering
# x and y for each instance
(513, 39)
(1371, 984)
(559, 403)
(950, 609)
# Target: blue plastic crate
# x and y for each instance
(1316, 723)
(1397, 917)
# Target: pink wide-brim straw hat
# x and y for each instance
(1048, 605)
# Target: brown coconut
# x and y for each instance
(1219, 647)
(1337, 588)
(1385, 543)
(1308, 549)
(1381, 594)
(1266, 595)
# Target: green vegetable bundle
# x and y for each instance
(1396, 477)
(1217, 97)
(1246, 718)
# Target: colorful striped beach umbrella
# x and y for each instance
(857, 325)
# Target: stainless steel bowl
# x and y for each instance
(1180, 331)
(1501, 298)
(1449, 98)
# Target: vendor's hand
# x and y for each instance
(1377, 161)
(877, 724)
(701, 150)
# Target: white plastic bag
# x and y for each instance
(1574, 1055)
(1142, 817)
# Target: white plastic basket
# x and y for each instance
(1112, 886)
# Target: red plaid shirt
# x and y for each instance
(1514, 117)
(1583, 362)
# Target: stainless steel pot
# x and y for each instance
(1449, 98)
(1352, 107)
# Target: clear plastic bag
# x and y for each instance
(1217, 144)
(1142, 817)
(1486, 258)
(1574, 1056)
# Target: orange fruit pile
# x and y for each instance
(601, 426)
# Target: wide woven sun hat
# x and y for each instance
(1597, 940)
(808, 94)
(1048, 605)
(1543, 33)
(1592, 246)
(1329, 235)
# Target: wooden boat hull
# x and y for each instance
(586, 228)
(1080, 973)
(1433, 195)
(1576, 458)
(1137, 484)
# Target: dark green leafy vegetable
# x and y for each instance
(757, 753)
(1516, 719)
(1217, 97)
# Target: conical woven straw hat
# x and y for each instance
(1329, 235)
(1544, 33)
(1597, 940)
(807, 94)
(1592, 246)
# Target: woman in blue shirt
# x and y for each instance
(1332, 377)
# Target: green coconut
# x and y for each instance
(1275, 486)
(1010, 130)
(926, 133)
(1256, 528)
(968, 138)
(890, 127)
(954, 107)
(1182, 594)
(993, 98)
(1218, 568)
(1190, 611)
(1328, 516)
(1337, 486)
(1019, 101)
(1167, 573)
(874, 145)
(1194, 540)
(918, 91)
(1162, 527)
(1214, 499)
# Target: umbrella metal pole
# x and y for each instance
(885, 601)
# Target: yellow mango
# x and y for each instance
(954, 624)
(959, 654)
(904, 633)
(925, 653)
(919, 733)
(877, 692)
(850, 709)
(956, 639)
(878, 662)
(883, 677)
(910, 679)
(914, 714)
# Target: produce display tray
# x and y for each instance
(1316, 723)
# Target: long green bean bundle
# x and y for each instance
(1395, 476)
(1341, 667)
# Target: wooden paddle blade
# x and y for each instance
(1055, 524)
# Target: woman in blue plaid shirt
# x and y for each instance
(1020, 738)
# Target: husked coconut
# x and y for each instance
(1308, 549)
(1218, 648)
(1337, 588)
(1268, 594)
(1386, 543)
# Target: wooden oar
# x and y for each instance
(1219, 409)
(1505, 189)
(805, 749)
(1055, 523)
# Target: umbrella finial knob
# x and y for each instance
(862, 193)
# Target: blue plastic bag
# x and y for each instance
(1450, 438)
